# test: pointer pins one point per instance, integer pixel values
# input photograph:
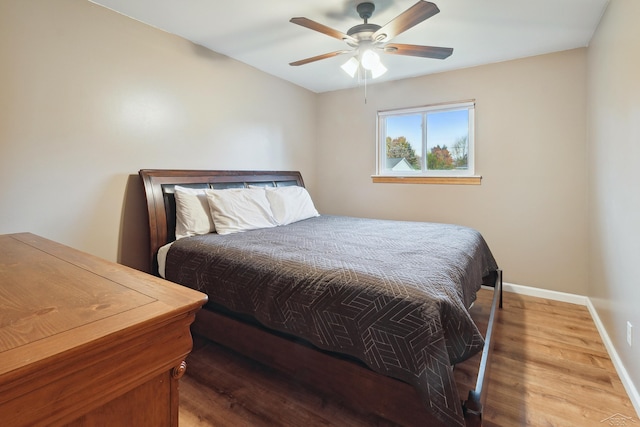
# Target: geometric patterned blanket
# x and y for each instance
(393, 294)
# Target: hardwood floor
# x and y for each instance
(549, 368)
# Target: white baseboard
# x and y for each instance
(545, 293)
(631, 389)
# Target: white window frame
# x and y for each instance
(381, 154)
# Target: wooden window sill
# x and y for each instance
(455, 180)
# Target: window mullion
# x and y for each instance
(424, 143)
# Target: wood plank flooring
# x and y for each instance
(549, 368)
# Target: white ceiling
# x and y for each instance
(258, 32)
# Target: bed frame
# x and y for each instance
(330, 373)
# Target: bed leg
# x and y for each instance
(500, 281)
(472, 409)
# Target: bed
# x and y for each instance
(347, 305)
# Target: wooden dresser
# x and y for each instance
(87, 342)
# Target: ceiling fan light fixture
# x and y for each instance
(351, 66)
(370, 59)
(373, 65)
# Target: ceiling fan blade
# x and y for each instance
(318, 58)
(313, 25)
(415, 50)
(407, 19)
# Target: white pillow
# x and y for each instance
(192, 212)
(290, 204)
(240, 209)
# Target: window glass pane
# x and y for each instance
(403, 143)
(433, 140)
(448, 140)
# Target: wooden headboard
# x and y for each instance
(159, 190)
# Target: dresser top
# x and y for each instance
(55, 299)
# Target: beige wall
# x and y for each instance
(530, 151)
(89, 97)
(614, 184)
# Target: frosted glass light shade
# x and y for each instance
(351, 66)
(378, 70)
(370, 59)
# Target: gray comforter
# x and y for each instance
(393, 294)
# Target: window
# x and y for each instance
(433, 141)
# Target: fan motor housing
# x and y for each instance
(363, 31)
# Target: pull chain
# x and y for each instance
(365, 87)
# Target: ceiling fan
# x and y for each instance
(366, 38)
